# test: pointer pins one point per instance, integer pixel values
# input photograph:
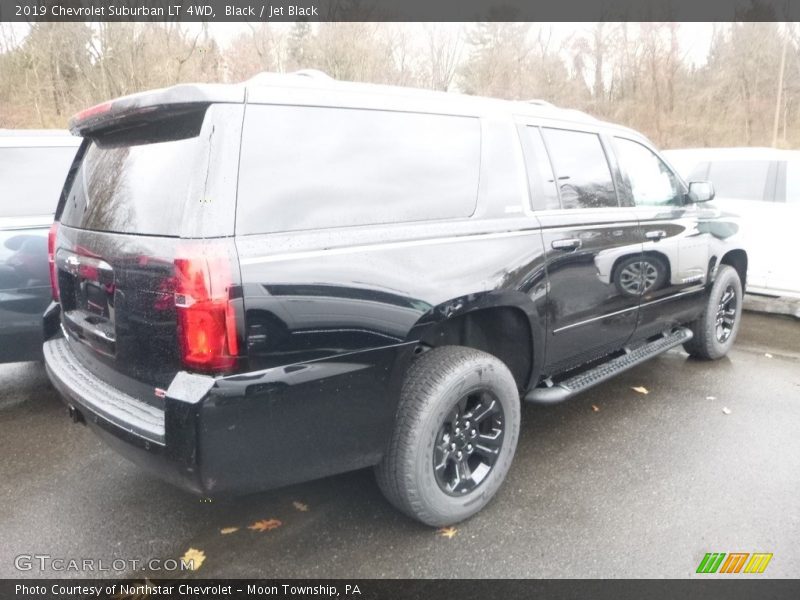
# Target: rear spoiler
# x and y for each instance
(147, 104)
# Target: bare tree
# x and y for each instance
(747, 91)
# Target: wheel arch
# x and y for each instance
(738, 260)
(501, 324)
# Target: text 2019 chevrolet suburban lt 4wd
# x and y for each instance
(266, 283)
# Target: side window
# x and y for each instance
(312, 167)
(540, 172)
(740, 179)
(581, 168)
(652, 183)
(793, 181)
(31, 179)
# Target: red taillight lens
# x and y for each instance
(97, 109)
(206, 317)
(51, 259)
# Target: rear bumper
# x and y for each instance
(91, 395)
(248, 432)
(137, 430)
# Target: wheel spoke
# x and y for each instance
(726, 298)
(440, 456)
(452, 418)
(488, 444)
(463, 472)
(483, 410)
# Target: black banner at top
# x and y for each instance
(398, 10)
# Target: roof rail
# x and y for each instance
(272, 76)
(539, 102)
(312, 73)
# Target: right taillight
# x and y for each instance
(207, 332)
(51, 259)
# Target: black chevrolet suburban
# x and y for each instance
(266, 283)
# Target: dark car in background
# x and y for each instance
(265, 283)
(33, 167)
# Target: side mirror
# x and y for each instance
(701, 191)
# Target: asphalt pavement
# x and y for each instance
(614, 483)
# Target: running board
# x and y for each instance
(607, 370)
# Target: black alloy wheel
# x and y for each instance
(726, 314)
(468, 443)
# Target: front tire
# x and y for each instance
(455, 435)
(716, 329)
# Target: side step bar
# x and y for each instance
(607, 370)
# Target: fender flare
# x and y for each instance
(471, 303)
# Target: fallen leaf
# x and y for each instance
(727, 410)
(448, 532)
(768, 355)
(595, 408)
(300, 506)
(227, 530)
(265, 525)
(640, 389)
(194, 558)
(711, 397)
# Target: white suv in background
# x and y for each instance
(763, 186)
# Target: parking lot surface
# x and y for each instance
(614, 483)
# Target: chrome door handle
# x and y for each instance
(569, 244)
(656, 234)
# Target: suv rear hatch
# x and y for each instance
(143, 259)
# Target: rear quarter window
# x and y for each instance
(31, 179)
(314, 167)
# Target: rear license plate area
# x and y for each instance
(87, 299)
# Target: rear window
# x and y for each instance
(312, 167)
(740, 179)
(31, 179)
(138, 181)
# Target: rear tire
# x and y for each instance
(455, 435)
(716, 329)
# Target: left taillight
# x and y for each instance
(205, 280)
(51, 259)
